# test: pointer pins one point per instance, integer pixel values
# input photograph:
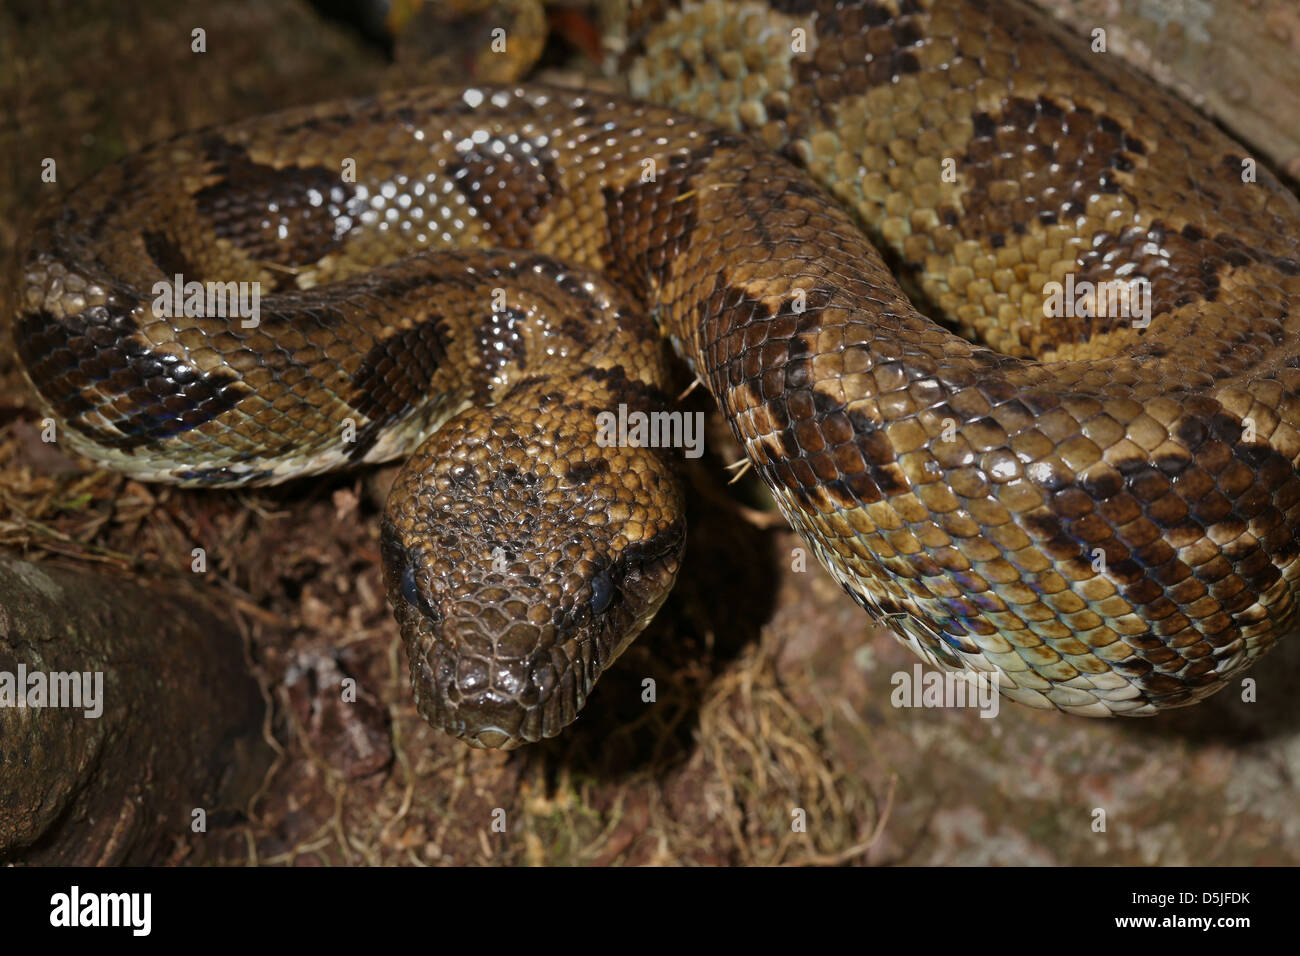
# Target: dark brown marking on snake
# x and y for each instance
(859, 48)
(367, 436)
(528, 381)
(1255, 479)
(155, 395)
(464, 475)
(735, 315)
(250, 204)
(636, 394)
(582, 472)
(638, 258)
(1069, 154)
(394, 377)
(1183, 268)
(798, 8)
(509, 190)
(43, 345)
(499, 340)
(167, 254)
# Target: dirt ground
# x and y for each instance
(773, 689)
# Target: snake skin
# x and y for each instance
(1104, 515)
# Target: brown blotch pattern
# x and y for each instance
(291, 216)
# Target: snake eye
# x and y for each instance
(602, 593)
(411, 591)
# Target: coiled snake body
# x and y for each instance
(1102, 512)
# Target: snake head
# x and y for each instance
(520, 566)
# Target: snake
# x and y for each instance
(850, 219)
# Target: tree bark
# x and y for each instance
(175, 729)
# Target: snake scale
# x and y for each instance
(1102, 512)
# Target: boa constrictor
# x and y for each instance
(1099, 508)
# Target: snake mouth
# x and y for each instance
(493, 738)
(500, 703)
(492, 722)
